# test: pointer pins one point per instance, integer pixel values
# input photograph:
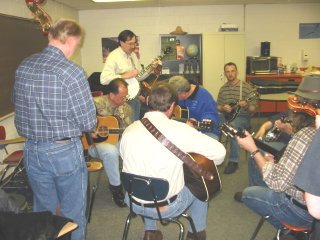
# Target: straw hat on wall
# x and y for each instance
(178, 31)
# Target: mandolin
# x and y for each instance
(235, 107)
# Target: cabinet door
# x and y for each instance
(235, 52)
(219, 49)
(213, 62)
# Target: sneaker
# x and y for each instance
(238, 196)
(231, 168)
(117, 195)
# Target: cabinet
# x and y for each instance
(218, 49)
(274, 93)
(183, 55)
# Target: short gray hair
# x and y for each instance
(180, 84)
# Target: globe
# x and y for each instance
(192, 50)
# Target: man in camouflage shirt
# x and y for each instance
(115, 104)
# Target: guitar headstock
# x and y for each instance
(204, 125)
(230, 131)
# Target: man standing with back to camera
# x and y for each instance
(53, 106)
(235, 91)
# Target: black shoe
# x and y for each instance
(231, 168)
(200, 235)
(117, 195)
(238, 196)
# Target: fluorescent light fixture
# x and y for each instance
(106, 1)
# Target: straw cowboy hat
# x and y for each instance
(309, 88)
(178, 31)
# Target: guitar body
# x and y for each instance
(200, 187)
(108, 129)
(180, 112)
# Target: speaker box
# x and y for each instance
(265, 49)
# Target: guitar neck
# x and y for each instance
(147, 68)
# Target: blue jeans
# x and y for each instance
(240, 122)
(135, 105)
(185, 199)
(58, 177)
(265, 201)
(254, 174)
(109, 154)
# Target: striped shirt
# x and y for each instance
(52, 97)
(231, 94)
(279, 176)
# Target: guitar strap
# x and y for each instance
(176, 151)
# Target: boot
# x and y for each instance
(201, 235)
(117, 195)
(152, 235)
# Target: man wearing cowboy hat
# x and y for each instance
(281, 200)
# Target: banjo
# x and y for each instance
(134, 83)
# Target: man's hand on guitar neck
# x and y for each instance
(191, 122)
(227, 108)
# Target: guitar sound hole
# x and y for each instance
(103, 131)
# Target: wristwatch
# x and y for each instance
(254, 153)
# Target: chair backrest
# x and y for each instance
(2, 133)
(145, 188)
(96, 93)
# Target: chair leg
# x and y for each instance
(181, 233)
(127, 225)
(260, 223)
(194, 230)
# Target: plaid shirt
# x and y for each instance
(52, 97)
(279, 176)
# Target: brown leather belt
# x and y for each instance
(152, 205)
(297, 203)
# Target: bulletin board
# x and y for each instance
(19, 39)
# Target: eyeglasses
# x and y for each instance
(125, 98)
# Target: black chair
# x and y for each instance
(150, 189)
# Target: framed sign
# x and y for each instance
(309, 30)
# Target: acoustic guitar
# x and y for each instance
(200, 187)
(235, 107)
(108, 131)
(181, 114)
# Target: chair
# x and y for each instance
(287, 228)
(93, 165)
(258, 227)
(304, 233)
(13, 160)
(150, 189)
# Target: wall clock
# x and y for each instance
(309, 30)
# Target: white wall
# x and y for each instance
(276, 23)
(19, 8)
(148, 23)
(279, 24)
